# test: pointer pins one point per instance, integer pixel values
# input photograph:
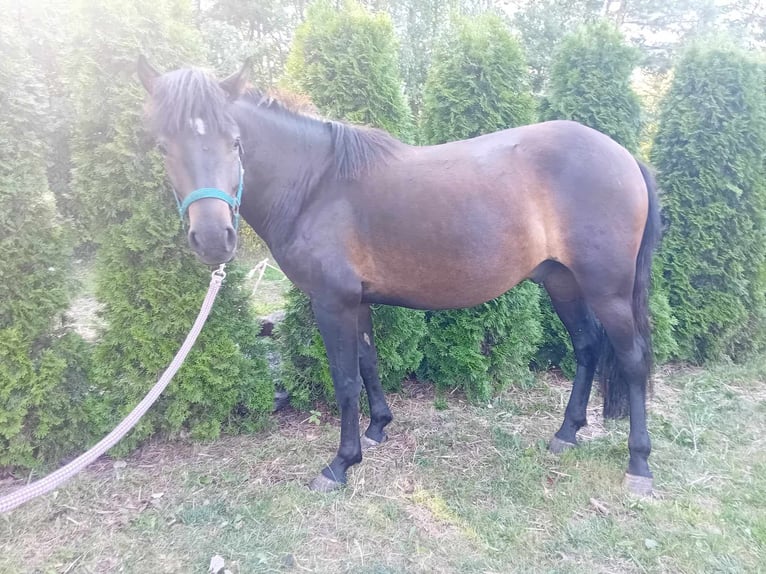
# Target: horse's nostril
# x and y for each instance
(231, 238)
(193, 242)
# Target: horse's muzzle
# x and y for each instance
(213, 245)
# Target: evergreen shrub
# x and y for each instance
(478, 84)
(709, 153)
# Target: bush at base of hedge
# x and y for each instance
(305, 371)
(486, 348)
(44, 417)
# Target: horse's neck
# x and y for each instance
(284, 162)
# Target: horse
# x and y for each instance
(355, 217)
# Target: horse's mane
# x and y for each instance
(189, 93)
(356, 149)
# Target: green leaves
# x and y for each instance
(149, 283)
(709, 154)
(346, 61)
(306, 373)
(477, 83)
(37, 282)
(590, 83)
(484, 349)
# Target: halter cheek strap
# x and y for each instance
(214, 193)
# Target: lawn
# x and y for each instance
(466, 489)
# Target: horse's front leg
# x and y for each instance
(337, 320)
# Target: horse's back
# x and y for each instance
(488, 211)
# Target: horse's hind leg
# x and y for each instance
(584, 331)
(630, 370)
(380, 414)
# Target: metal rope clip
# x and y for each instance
(219, 273)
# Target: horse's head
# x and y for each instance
(189, 116)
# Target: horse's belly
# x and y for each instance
(446, 284)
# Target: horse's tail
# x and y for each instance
(614, 386)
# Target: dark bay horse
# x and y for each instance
(355, 217)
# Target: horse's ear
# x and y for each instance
(147, 73)
(235, 84)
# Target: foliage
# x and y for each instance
(709, 154)
(478, 84)
(657, 27)
(306, 373)
(662, 317)
(147, 280)
(43, 393)
(346, 61)
(555, 348)
(485, 348)
(542, 25)
(419, 25)
(234, 30)
(590, 83)
(42, 30)
(39, 372)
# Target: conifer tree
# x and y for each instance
(709, 152)
(478, 84)
(590, 84)
(148, 281)
(40, 363)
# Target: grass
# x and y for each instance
(268, 294)
(467, 489)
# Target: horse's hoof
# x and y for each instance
(323, 484)
(557, 446)
(367, 442)
(638, 485)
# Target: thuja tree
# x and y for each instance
(346, 61)
(40, 364)
(590, 84)
(478, 84)
(709, 152)
(147, 280)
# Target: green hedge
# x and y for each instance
(484, 349)
(40, 365)
(148, 282)
(346, 61)
(478, 84)
(306, 373)
(709, 152)
(358, 52)
(591, 84)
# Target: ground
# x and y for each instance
(467, 489)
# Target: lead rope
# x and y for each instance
(59, 477)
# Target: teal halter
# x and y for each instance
(215, 193)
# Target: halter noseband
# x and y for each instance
(215, 193)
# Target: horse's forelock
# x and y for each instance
(188, 94)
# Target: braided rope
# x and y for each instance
(59, 477)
